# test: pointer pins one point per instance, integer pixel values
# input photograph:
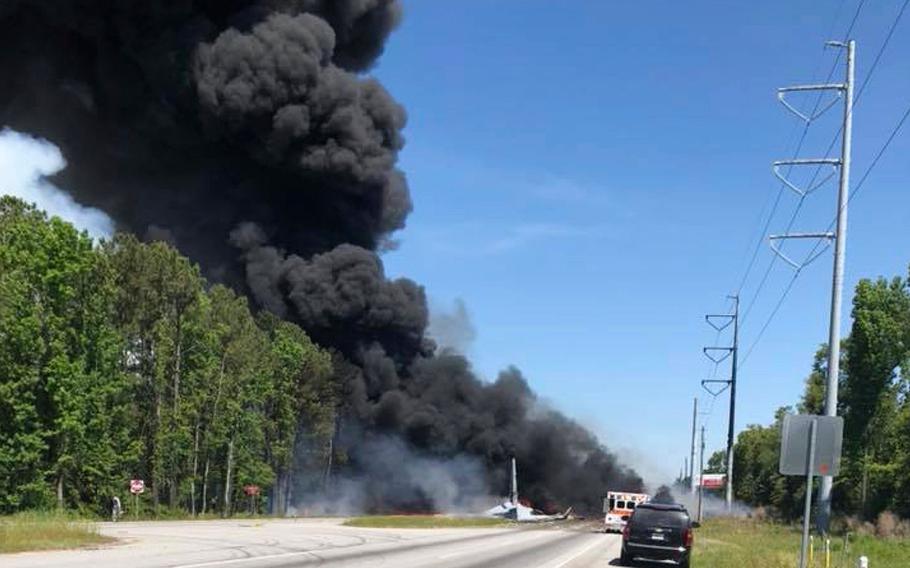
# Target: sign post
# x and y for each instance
(807, 509)
(810, 445)
(137, 486)
(252, 491)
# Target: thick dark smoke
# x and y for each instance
(186, 118)
(245, 133)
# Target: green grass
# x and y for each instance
(46, 531)
(743, 543)
(423, 522)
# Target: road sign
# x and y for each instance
(137, 486)
(810, 445)
(251, 490)
(713, 480)
(794, 444)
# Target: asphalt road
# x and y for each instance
(288, 543)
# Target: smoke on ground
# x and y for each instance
(713, 504)
(248, 134)
(396, 478)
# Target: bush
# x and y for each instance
(887, 524)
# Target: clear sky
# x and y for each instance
(589, 178)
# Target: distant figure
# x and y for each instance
(115, 509)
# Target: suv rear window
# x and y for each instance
(654, 517)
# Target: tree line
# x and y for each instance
(874, 400)
(119, 361)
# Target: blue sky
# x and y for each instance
(589, 178)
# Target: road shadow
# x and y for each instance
(637, 564)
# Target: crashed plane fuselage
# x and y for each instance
(513, 510)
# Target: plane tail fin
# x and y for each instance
(513, 490)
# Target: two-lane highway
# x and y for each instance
(324, 542)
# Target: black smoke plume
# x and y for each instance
(246, 133)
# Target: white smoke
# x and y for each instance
(455, 485)
(713, 504)
(452, 329)
(24, 164)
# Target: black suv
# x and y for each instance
(658, 531)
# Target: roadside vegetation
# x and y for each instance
(874, 399)
(46, 531)
(424, 522)
(748, 543)
(118, 361)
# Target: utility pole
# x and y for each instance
(837, 282)
(701, 472)
(839, 237)
(720, 322)
(692, 450)
(732, 422)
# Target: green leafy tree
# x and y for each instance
(878, 347)
(159, 313)
(64, 428)
(300, 406)
(874, 403)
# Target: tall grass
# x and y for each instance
(46, 531)
(746, 543)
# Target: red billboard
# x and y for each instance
(713, 480)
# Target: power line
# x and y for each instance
(853, 193)
(799, 146)
(865, 83)
(881, 51)
(781, 188)
(878, 156)
(861, 90)
(764, 327)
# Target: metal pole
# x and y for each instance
(837, 284)
(807, 510)
(701, 472)
(732, 421)
(692, 451)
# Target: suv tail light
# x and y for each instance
(688, 538)
(625, 532)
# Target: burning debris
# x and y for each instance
(512, 508)
(246, 133)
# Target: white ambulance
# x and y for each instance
(618, 507)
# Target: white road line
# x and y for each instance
(245, 559)
(566, 559)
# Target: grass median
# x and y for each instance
(46, 531)
(424, 522)
(744, 543)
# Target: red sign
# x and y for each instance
(713, 480)
(137, 486)
(251, 490)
